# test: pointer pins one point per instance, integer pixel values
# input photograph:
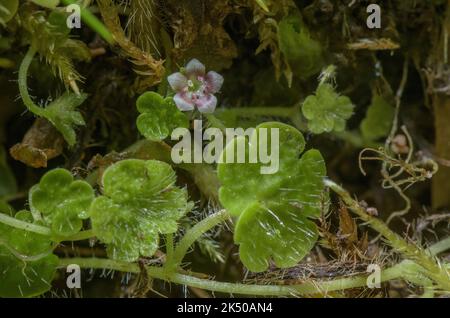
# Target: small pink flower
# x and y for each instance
(195, 88)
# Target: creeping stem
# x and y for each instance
(433, 269)
(302, 288)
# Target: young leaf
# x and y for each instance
(140, 201)
(326, 111)
(26, 263)
(62, 114)
(302, 52)
(273, 210)
(378, 119)
(159, 117)
(61, 201)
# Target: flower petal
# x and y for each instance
(214, 82)
(183, 102)
(177, 81)
(207, 104)
(194, 67)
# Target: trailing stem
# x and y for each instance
(433, 269)
(308, 287)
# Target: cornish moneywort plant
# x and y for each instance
(290, 102)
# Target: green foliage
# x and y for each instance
(159, 116)
(273, 210)
(26, 263)
(54, 43)
(61, 201)
(327, 111)
(378, 119)
(303, 53)
(140, 201)
(8, 9)
(62, 114)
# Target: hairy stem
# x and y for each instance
(23, 87)
(303, 288)
(18, 224)
(193, 234)
(433, 269)
(39, 229)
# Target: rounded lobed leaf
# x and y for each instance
(273, 209)
(274, 231)
(61, 201)
(159, 116)
(327, 111)
(27, 266)
(140, 201)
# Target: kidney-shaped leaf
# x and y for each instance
(272, 210)
(61, 201)
(140, 201)
(159, 116)
(327, 111)
(27, 266)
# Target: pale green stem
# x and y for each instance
(23, 87)
(433, 270)
(192, 235)
(169, 247)
(305, 288)
(18, 224)
(38, 229)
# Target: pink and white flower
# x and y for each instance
(195, 88)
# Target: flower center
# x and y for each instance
(196, 86)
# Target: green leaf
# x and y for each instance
(327, 111)
(378, 119)
(61, 201)
(8, 184)
(26, 262)
(273, 210)
(303, 53)
(8, 9)
(140, 201)
(159, 117)
(62, 114)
